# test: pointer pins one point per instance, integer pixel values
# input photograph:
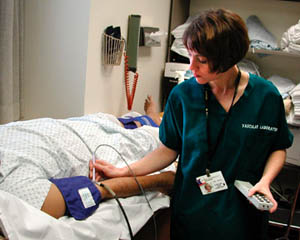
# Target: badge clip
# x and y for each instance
(207, 172)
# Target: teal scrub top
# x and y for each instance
(255, 128)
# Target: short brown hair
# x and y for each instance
(219, 35)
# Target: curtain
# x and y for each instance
(11, 57)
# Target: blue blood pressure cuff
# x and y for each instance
(81, 196)
(129, 122)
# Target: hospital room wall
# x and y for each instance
(55, 53)
(105, 89)
(63, 71)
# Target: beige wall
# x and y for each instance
(55, 52)
(63, 72)
(105, 90)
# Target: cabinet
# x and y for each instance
(286, 191)
(285, 187)
(277, 16)
(286, 65)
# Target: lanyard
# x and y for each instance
(212, 149)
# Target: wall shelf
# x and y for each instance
(273, 52)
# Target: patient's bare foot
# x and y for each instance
(151, 109)
(150, 106)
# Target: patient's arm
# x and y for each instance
(55, 206)
(54, 203)
(127, 186)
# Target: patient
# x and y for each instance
(55, 202)
(45, 162)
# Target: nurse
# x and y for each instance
(225, 125)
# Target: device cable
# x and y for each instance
(120, 205)
(134, 176)
(132, 173)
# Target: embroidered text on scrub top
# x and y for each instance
(261, 127)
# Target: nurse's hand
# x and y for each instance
(263, 188)
(104, 170)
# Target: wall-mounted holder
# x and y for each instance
(112, 50)
(150, 37)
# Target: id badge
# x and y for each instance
(214, 183)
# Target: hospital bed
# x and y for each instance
(63, 148)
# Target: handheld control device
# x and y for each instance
(259, 200)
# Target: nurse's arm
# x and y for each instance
(273, 166)
(152, 162)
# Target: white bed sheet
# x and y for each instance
(21, 221)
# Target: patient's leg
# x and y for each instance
(55, 206)
(151, 110)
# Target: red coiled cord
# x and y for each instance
(129, 95)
